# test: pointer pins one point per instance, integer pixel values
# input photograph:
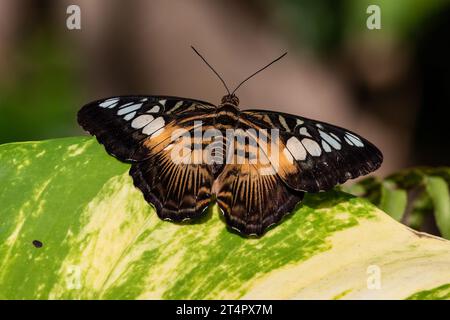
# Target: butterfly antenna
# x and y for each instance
(254, 74)
(204, 60)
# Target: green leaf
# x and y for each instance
(437, 188)
(417, 196)
(393, 201)
(439, 293)
(101, 240)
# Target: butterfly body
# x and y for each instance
(256, 164)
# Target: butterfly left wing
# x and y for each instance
(141, 130)
(179, 191)
(313, 155)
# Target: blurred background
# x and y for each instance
(390, 85)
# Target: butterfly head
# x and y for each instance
(230, 99)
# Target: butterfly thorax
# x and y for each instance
(227, 113)
(229, 106)
(228, 110)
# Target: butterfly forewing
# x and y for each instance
(128, 125)
(315, 156)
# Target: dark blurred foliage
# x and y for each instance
(42, 105)
(38, 94)
(432, 131)
(418, 197)
(318, 24)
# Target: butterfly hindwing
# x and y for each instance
(252, 202)
(314, 155)
(178, 191)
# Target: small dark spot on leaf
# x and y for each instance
(37, 244)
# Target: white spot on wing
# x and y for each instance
(296, 148)
(352, 135)
(126, 105)
(300, 122)
(335, 136)
(356, 140)
(141, 121)
(326, 146)
(312, 146)
(154, 109)
(283, 123)
(131, 108)
(348, 141)
(335, 144)
(303, 131)
(153, 126)
(176, 106)
(157, 132)
(288, 155)
(109, 103)
(163, 102)
(130, 116)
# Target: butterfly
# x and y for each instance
(165, 139)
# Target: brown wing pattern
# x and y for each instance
(178, 191)
(252, 202)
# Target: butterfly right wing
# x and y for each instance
(313, 155)
(250, 201)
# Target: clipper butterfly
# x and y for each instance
(252, 190)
